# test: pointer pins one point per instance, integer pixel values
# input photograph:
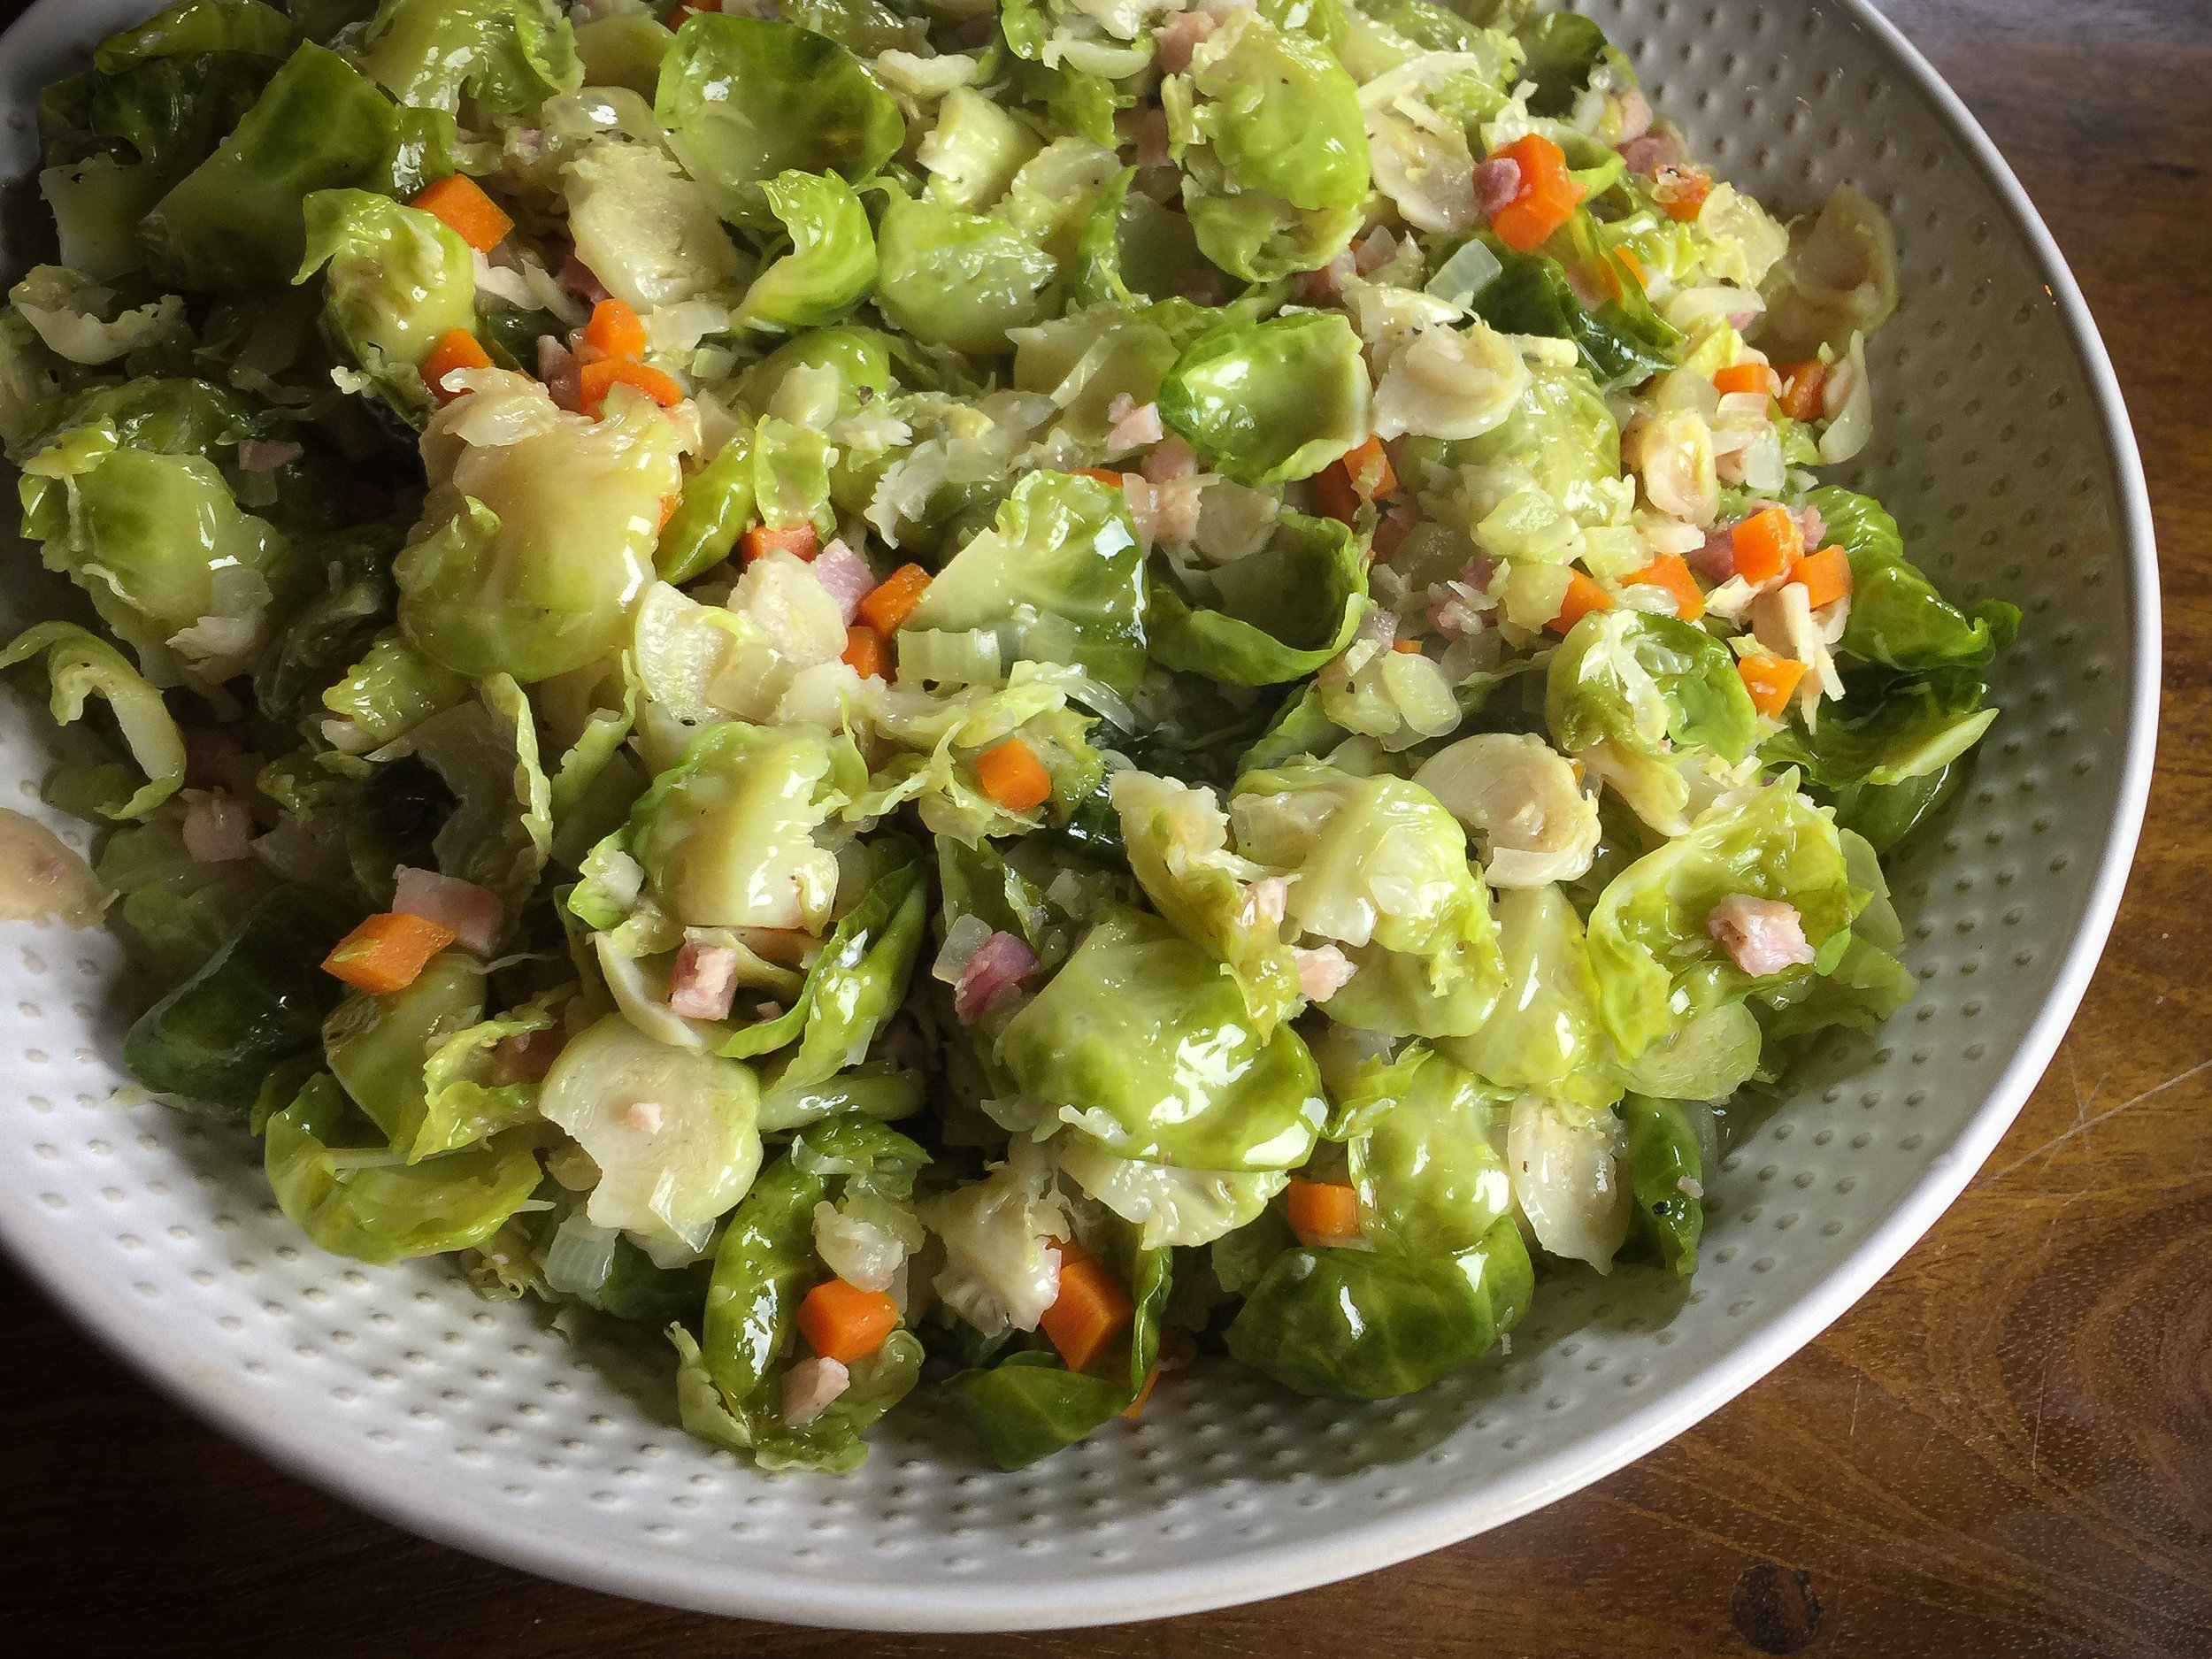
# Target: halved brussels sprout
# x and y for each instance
(399, 281)
(960, 280)
(1149, 1045)
(360, 1200)
(744, 101)
(1264, 402)
(539, 533)
(832, 265)
(1657, 965)
(672, 1130)
(724, 836)
(1519, 794)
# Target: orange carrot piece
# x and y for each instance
(459, 349)
(600, 377)
(1092, 1309)
(1546, 197)
(460, 201)
(1627, 257)
(1803, 384)
(1767, 543)
(894, 598)
(867, 653)
(386, 952)
(801, 542)
(1681, 191)
(1104, 475)
(1135, 1408)
(1409, 648)
(1670, 572)
(1321, 1209)
(1361, 475)
(1334, 494)
(615, 330)
(1368, 468)
(1825, 576)
(1771, 681)
(843, 1322)
(1748, 377)
(1583, 596)
(1013, 776)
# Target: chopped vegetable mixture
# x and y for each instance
(1001, 693)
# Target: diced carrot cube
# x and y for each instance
(599, 379)
(1013, 776)
(1135, 1408)
(867, 652)
(461, 203)
(614, 330)
(1771, 681)
(1091, 1310)
(459, 349)
(894, 598)
(1825, 576)
(386, 952)
(1803, 385)
(1671, 571)
(1546, 197)
(1681, 190)
(843, 1322)
(801, 542)
(1104, 475)
(1583, 596)
(1321, 1209)
(1748, 377)
(1767, 543)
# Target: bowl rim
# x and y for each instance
(398, 1493)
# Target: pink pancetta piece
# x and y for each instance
(526, 1056)
(1323, 286)
(1148, 131)
(1497, 181)
(1177, 37)
(845, 577)
(210, 753)
(1266, 901)
(1814, 525)
(218, 827)
(1323, 970)
(811, 1386)
(703, 980)
(1649, 151)
(1135, 425)
(1175, 508)
(1001, 963)
(1715, 561)
(474, 915)
(1170, 459)
(1761, 936)
(575, 277)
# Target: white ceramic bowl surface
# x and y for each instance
(2003, 449)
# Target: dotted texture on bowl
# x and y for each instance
(478, 1424)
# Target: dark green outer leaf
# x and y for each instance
(259, 1001)
(1898, 618)
(236, 220)
(1367, 1326)
(1663, 1153)
(1031, 1405)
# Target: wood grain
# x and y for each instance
(2005, 1449)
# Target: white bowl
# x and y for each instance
(2005, 453)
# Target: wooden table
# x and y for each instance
(2005, 1449)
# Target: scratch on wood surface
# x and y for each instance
(2083, 1127)
(1858, 1385)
